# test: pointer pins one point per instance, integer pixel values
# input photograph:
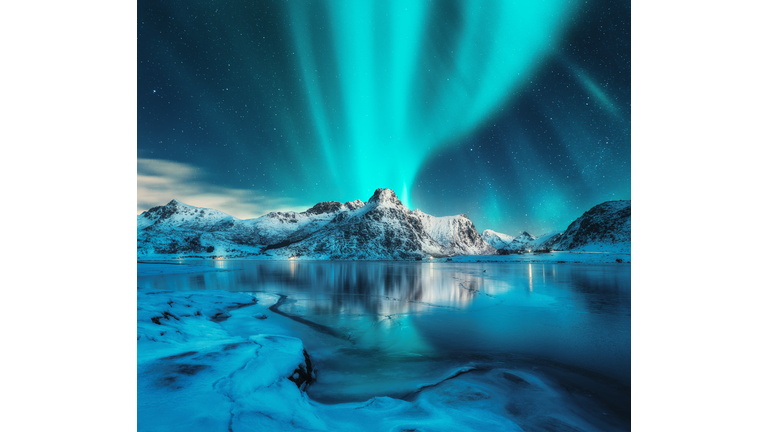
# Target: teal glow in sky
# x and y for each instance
(376, 65)
(480, 108)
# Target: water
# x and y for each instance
(385, 328)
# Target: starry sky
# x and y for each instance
(516, 114)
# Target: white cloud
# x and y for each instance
(160, 181)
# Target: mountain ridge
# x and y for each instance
(380, 228)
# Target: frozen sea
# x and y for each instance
(545, 346)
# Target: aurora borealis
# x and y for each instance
(514, 113)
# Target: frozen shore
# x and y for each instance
(194, 374)
(608, 257)
(218, 360)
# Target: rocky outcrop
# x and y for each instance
(304, 374)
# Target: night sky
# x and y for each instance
(516, 114)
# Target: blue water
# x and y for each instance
(383, 328)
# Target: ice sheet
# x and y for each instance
(206, 361)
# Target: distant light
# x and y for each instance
(293, 257)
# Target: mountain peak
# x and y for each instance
(176, 203)
(525, 235)
(383, 196)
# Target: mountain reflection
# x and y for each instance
(343, 287)
(366, 288)
(572, 314)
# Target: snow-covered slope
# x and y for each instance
(496, 239)
(456, 233)
(382, 228)
(185, 216)
(606, 227)
(543, 242)
(180, 229)
(286, 227)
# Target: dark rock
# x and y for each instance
(303, 376)
(384, 195)
(220, 316)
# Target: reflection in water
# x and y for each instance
(390, 311)
(387, 328)
(344, 287)
(530, 278)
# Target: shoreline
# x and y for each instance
(575, 257)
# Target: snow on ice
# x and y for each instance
(198, 371)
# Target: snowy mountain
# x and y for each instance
(382, 228)
(543, 242)
(181, 229)
(520, 242)
(184, 216)
(605, 227)
(497, 239)
(507, 244)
